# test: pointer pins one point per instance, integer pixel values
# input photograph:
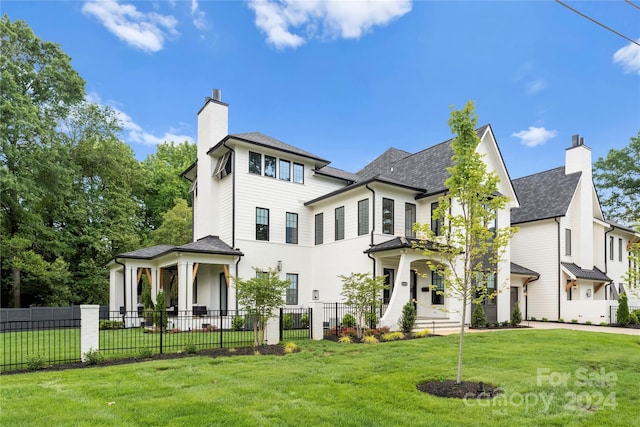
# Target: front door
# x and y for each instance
(223, 295)
(514, 298)
(388, 281)
(490, 304)
(414, 289)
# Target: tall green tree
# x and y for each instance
(177, 226)
(468, 247)
(618, 180)
(164, 185)
(38, 87)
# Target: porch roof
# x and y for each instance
(399, 243)
(523, 271)
(206, 245)
(576, 272)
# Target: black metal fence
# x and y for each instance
(140, 333)
(295, 323)
(338, 316)
(34, 344)
(613, 313)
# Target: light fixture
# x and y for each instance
(588, 293)
(315, 295)
(279, 265)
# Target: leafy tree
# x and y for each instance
(618, 178)
(261, 296)
(177, 226)
(362, 292)
(164, 185)
(407, 320)
(632, 276)
(622, 314)
(38, 87)
(160, 318)
(468, 248)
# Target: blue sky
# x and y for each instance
(347, 79)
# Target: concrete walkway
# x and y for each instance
(547, 325)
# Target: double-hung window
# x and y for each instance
(435, 222)
(319, 229)
(285, 170)
(292, 228)
(363, 217)
(262, 224)
(255, 163)
(567, 241)
(340, 223)
(437, 287)
(387, 216)
(292, 289)
(298, 173)
(269, 166)
(409, 219)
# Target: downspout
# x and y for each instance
(233, 212)
(559, 284)
(124, 281)
(605, 248)
(526, 298)
(373, 225)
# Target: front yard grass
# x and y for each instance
(350, 385)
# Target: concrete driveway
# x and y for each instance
(549, 325)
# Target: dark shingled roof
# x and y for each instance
(338, 173)
(522, 271)
(544, 195)
(425, 169)
(258, 138)
(382, 179)
(205, 245)
(398, 243)
(582, 273)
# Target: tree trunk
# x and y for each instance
(464, 317)
(16, 287)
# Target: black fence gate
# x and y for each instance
(295, 323)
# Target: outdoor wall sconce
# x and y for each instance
(315, 295)
(588, 293)
(279, 266)
(404, 283)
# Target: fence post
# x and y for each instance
(317, 319)
(89, 329)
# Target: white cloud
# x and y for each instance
(145, 31)
(534, 136)
(629, 58)
(348, 19)
(133, 133)
(199, 18)
(536, 86)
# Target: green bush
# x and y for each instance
(144, 352)
(110, 324)
(561, 320)
(532, 318)
(287, 321)
(407, 320)
(348, 321)
(574, 320)
(304, 320)
(371, 319)
(423, 333)
(35, 362)
(588, 322)
(505, 324)
(622, 315)
(369, 339)
(190, 347)
(516, 315)
(237, 323)
(93, 357)
(633, 319)
(160, 318)
(604, 324)
(544, 319)
(479, 317)
(393, 336)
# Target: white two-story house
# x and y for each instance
(261, 203)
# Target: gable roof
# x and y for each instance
(206, 245)
(263, 140)
(544, 195)
(582, 273)
(522, 271)
(338, 173)
(399, 243)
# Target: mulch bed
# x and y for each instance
(355, 340)
(464, 390)
(265, 350)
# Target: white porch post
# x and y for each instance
(131, 305)
(231, 288)
(155, 283)
(182, 285)
(113, 289)
(189, 284)
(401, 292)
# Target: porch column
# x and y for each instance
(155, 283)
(231, 288)
(114, 283)
(401, 292)
(129, 283)
(189, 301)
(182, 285)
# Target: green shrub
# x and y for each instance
(190, 347)
(588, 322)
(290, 347)
(93, 357)
(160, 318)
(348, 321)
(479, 317)
(110, 324)
(516, 315)
(574, 320)
(393, 336)
(371, 319)
(505, 324)
(35, 362)
(237, 323)
(304, 320)
(561, 320)
(369, 339)
(422, 333)
(407, 320)
(287, 321)
(636, 312)
(544, 319)
(532, 318)
(622, 315)
(604, 324)
(633, 319)
(144, 352)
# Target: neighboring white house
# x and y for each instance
(580, 257)
(259, 202)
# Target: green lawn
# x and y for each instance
(350, 385)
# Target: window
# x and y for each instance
(292, 289)
(409, 219)
(492, 224)
(388, 281)
(262, 224)
(255, 163)
(620, 250)
(340, 223)
(435, 223)
(298, 173)
(437, 285)
(285, 170)
(292, 228)
(567, 241)
(491, 288)
(269, 166)
(387, 216)
(363, 217)
(223, 167)
(319, 226)
(611, 248)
